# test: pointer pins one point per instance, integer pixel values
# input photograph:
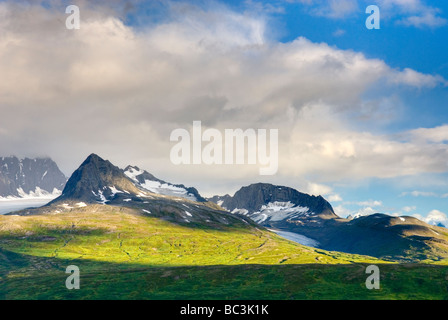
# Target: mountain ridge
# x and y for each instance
(378, 235)
(99, 182)
(30, 177)
(265, 202)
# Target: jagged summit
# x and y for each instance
(99, 181)
(379, 235)
(21, 178)
(149, 182)
(265, 202)
(96, 180)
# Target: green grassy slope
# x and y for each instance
(123, 235)
(123, 254)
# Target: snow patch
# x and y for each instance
(66, 206)
(103, 199)
(132, 173)
(38, 193)
(240, 211)
(277, 211)
(167, 189)
(114, 191)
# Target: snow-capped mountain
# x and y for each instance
(99, 182)
(311, 219)
(303, 218)
(267, 204)
(30, 178)
(150, 183)
(277, 211)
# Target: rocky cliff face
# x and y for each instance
(29, 177)
(96, 180)
(378, 235)
(262, 201)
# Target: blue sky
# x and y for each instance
(403, 41)
(420, 47)
(423, 48)
(362, 113)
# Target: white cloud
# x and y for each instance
(367, 211)
(339, 33)
(429, 19)
(322, 144)
(414, 13)
(370, 203)
(438, 134)
(334, 198)
(119, 92)
(416, 79)
(416, 193)
(408, 209)
(337, 8)
(317, 189)
(434, 217)
(342, 211)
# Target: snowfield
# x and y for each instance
(34, 199)
(277, 211)
(167, 189)
(158, 187)
(37, 194)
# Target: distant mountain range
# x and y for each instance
(378, 235)
(267, 203)
(98, 181)
(280, 208)
(22, 178)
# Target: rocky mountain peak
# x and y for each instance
(257, 197)
(95, 180)
(29, 177)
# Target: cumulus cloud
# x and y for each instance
(342, 211)
(416, 79)
(367, 211)
(335, 198)
(409, 13)
(119, 91)
(370, 203)
(414, 13)
(339, 152)
(408, 209)
(434, 217)
(438, 134)
(429, 19)
(359, 208)
(417, 193)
